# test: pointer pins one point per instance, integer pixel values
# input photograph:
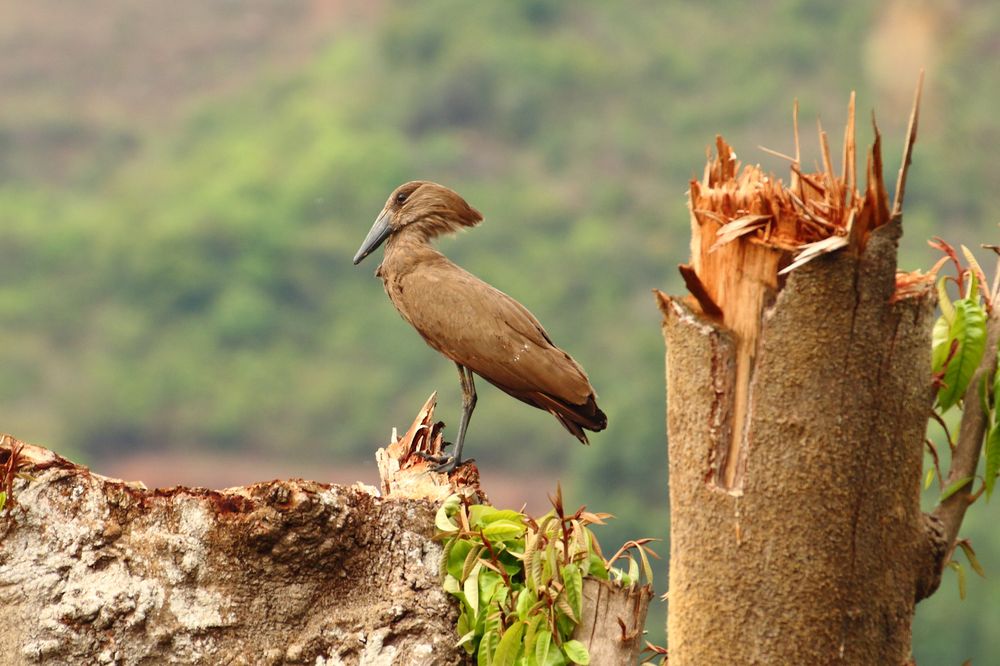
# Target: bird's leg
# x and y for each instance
(468, 404)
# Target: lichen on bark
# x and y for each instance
(97, 570)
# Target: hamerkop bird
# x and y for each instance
(483, 330)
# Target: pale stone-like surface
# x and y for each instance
(96, 570)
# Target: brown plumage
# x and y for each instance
(483, 330)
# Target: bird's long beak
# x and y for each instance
(376, 236)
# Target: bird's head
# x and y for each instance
(421, 207)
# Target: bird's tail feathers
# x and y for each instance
(575, 418)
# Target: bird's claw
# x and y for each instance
(431, 457)
(445, 464)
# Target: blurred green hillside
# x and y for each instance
(182, 189)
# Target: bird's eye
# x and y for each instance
(401, 197)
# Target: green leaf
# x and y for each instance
(442, 519)
(504, 514)
(928, 478)
(633, 569)
(996, 386)
(487, 647)
(573, 588)
(471, 589)
(944, 301)
(969, 329)
(509, 646)
(3, 499)
(478, 513)
(456, 557)
(466, 638)
(577, 652)
(596, 568)
(940, 344)
(503, 530)
(975, 271)
(992, 455)
(647, 570)
(489, 584)
(953, 488)
(451, 585)
(525, 600)
(960, 572)
(543, 644)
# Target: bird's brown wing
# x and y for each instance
(489, 332)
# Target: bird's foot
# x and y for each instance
(445, 464)
(432, 458)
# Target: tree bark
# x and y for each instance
(796, 412)
(613, 621)
(101, 571)
(97, 570)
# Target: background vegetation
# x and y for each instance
(182, 187)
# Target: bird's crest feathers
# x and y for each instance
(430, 208)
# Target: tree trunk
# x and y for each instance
(100, 571)
(796, 414)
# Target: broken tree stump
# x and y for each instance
(102, 571)
(799, 390)
(98, 570)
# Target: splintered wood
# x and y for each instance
(749, 230)
(404, 472)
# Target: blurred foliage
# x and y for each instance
(186, 282)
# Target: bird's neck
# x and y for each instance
(404, 251)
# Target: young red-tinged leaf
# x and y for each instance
(563, 604)
(595, 547)
(509, 646)
(960, 572)
(595, 518)
(992, 455)
(970, 555)
(953, 488)
(577, 652)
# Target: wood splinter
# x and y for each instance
(749, 230)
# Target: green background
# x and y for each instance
(182, 188)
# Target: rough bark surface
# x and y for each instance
(815, 559)
(613, 621)
(97, 570)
